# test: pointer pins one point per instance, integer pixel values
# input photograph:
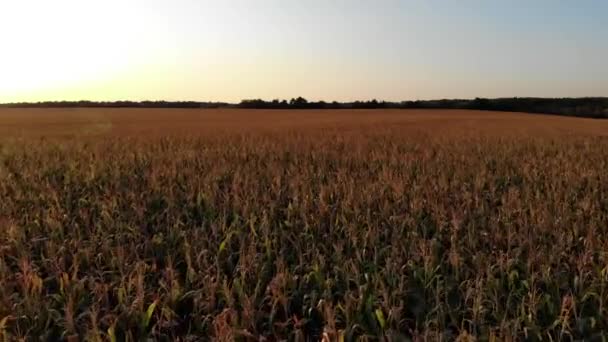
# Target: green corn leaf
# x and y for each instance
(222, 246)
(380, 318)
(225, 242)
(112, 333)
(149, 313)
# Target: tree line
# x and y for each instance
(593, 107)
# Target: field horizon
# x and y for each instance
(591, 107)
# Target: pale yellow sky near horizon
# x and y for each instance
(337, 50)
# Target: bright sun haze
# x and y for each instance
(326, 50)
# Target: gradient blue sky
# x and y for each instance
(344, 50)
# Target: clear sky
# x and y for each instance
(228, 50)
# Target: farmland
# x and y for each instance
(184, 224)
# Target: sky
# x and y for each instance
(228, 50)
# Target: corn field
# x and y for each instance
(417, 226)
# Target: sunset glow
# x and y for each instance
(230, 50)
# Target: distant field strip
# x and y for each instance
(50, 122)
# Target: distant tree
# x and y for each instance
(299, 102)
(480, 103)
